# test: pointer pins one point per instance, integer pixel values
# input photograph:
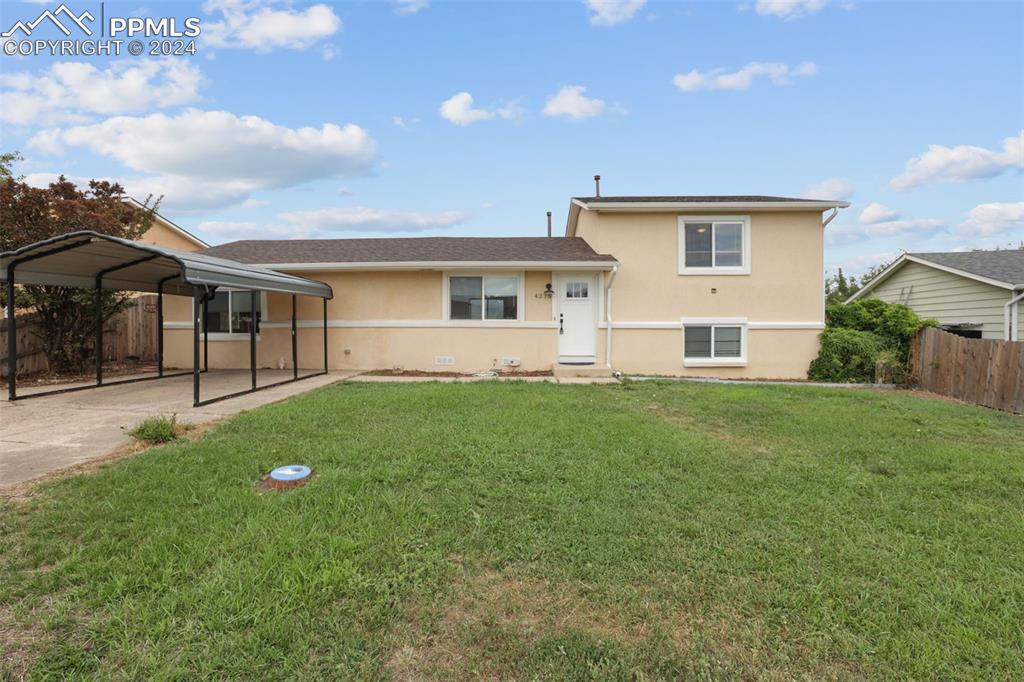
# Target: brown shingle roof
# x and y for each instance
(695, 199)
(410, 250)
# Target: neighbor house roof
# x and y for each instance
(1003, 268)
(412, 251)
(692, 202)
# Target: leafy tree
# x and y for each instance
(28, 214)
(839, 287)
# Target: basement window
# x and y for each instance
(483, 297)
(708, 344)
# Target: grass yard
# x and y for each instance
(532, 531)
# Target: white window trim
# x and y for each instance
(713, 322)
(235, 336)
(446, 301)
(714, 270)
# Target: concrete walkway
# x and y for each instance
(47, 433)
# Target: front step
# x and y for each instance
(561, 371)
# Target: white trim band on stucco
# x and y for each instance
(470, 324)
(674, 324)
(393, 324)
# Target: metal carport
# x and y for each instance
(91, 259)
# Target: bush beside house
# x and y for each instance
(860, 335)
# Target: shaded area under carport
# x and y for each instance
(91, 259)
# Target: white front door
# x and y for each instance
(576, 314)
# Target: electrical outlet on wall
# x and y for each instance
(510, 362)
(444, 360)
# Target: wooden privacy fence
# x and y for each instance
(131, 334)
(980, 371)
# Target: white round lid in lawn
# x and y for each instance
(288, 476)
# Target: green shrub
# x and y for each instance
(891, 326)
(846, 355)
(155, 430)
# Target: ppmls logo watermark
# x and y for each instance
(158, 37)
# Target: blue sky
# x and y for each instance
(457, 118)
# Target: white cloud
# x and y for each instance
(611, 12)
(74, 91)
(719, 79)
(328, 52)
(832, 188)
(961, 163)
(512, 110)
(362, 219)
(405, 7)
(788, 10)
(330, 222)
(226, 157)
(860, 264)
(459, 110)
(570, 101)
(47, 141)
(255, 203)
(858, 232)
(400, 122)
(263, 25)
(985, 220)
(877, 213)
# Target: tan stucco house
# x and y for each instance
(726, 286)
(976, 294)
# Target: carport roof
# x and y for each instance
(77, 258)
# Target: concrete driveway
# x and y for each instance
(47, 433)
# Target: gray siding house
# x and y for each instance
(976, 294)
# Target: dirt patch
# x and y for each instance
(493, 625)
(19, 645)
(24, 490)
(118, 369)
(494, 614)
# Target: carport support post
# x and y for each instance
(99, 330)
(295, 344)
(195, 347)
(325, 336)
(160, 328)
(206, 335)
(252, 336)
(12, 337)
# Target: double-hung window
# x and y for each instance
(483, 297)
(230, 312)
(708, 343)
(714, 245)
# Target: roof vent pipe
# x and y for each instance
(549, 224)
(597, 185)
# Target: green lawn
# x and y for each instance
(532, 531)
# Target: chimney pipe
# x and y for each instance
(597, 185)
(549, 224)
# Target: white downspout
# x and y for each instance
(608, 316)
(1010, 312)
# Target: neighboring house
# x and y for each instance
(728, 286)
(976, 294)
(163, 232)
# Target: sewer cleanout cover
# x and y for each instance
(288, 476)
